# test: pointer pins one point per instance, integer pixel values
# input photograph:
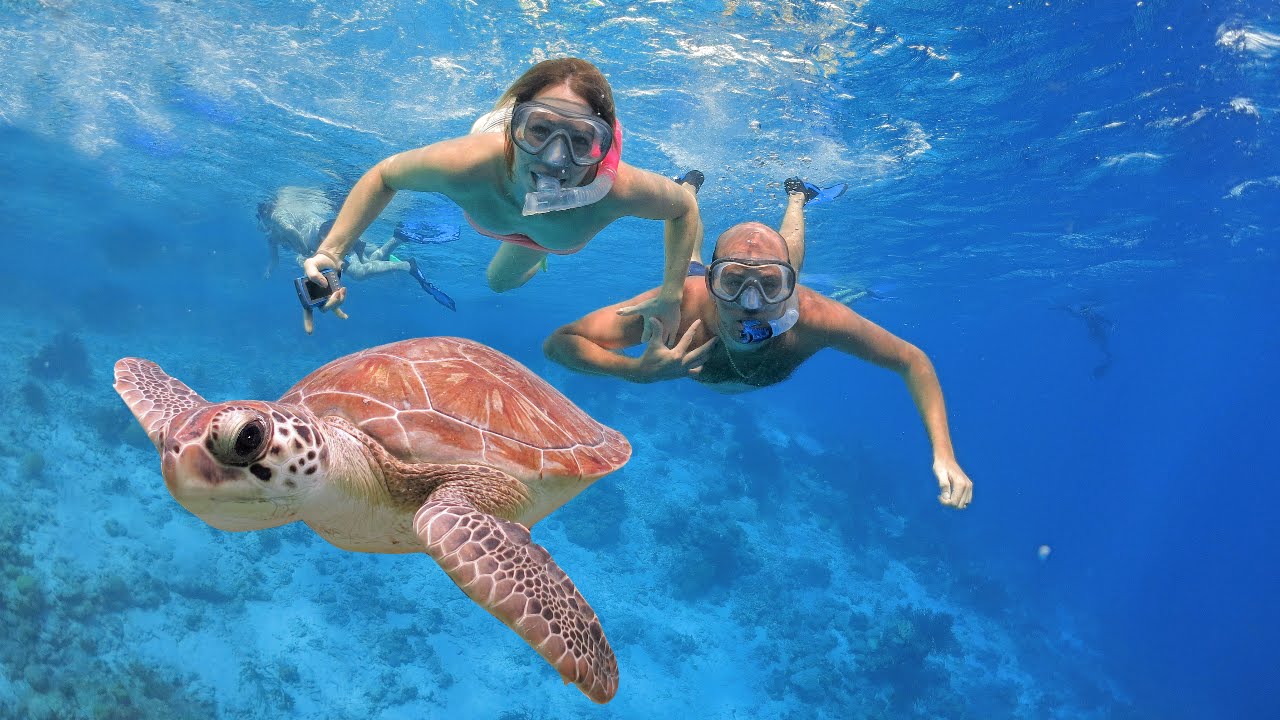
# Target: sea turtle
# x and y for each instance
(440, 443)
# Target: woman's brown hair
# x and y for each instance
(584, 79)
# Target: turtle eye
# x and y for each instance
(240, 437)
(249, 440)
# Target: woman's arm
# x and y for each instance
(649, 195)
(443, 167)
(433, 168)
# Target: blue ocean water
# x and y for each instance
(1071, 206)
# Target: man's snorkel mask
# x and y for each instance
(562, 138)
(752, 284)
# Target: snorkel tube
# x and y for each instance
(550, 196)
(754, 331)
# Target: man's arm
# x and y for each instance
(591, 344)
(843, 329)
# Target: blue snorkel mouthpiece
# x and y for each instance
(754, 331)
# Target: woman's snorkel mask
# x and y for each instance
(752, 284)
(561, 139)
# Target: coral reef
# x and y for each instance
(53, 647)
(597, 516)
(114, 424)
(63, 358)
(755, 545)
(897, 655)
(35, 398)
(32, 465)
(711, 552)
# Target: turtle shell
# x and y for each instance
(452, 400)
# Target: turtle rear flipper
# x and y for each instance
(152, 395)
(499, 567)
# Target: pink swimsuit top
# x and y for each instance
(521, 239)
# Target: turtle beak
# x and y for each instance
(169, 470)
(214, 493)
(190, 470)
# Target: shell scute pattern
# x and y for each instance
(470, 442)
(452, 400)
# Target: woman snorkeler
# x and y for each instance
(541, 173)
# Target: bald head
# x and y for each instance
(751, 240)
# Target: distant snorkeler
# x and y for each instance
(295, 218)
(542, 173)
(747, 323)
(1100, 328)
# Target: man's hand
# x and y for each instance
(662, 363)
(956, 489)
(314, 268)
(665, 310)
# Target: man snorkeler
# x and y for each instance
(747, 323)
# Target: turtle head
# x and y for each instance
(239, 465)
(242, 465)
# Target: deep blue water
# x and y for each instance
(1009, 165)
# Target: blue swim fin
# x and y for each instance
(813, 194)
(429, 286)
(694, 178)
(881, 292)
(424, 232)
(440, 296)
(827, 194)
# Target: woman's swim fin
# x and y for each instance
(440, 296)
(422, 232)
(429, 286)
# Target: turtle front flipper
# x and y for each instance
(497, 565)
(153, 396)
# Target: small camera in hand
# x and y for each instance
(312, 294)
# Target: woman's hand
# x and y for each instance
(662, 363)
(314, 268)
(956, 489)
(665, 310)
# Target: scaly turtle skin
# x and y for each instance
(440, 443)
